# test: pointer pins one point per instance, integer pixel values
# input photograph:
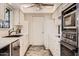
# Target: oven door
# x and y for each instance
(68, 49)
(66, 52)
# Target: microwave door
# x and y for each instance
(69, 20)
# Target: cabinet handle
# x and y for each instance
(17, 47)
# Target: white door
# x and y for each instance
(37, 30)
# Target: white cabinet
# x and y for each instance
(16, 16)
(23, 44)
(15, 48)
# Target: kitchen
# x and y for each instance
(24, 25)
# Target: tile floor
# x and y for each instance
(38, 51)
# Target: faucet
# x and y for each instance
(10, 31)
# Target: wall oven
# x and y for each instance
(69, 42)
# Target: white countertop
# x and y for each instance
(6, 41)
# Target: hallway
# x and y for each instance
(38, 51)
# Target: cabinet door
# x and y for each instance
(5, 51)
(15, 48)
(16, 17)
(23, 45)
(2, 11)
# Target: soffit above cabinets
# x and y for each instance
(25, 8)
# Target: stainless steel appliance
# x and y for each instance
(69, 42)
(70, 37)
(69, 19)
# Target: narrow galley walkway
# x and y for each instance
(38, 51)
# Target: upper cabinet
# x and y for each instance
(16, 17)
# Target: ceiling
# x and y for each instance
(26, 9)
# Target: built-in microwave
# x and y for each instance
(70, 19)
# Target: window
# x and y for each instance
(6, 22)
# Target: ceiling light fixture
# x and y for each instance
(27, 5)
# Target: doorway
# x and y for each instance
(37, 30)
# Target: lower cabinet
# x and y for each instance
(12, 49)
(20, 46)
(5, 51)
(23, 45)
(15, 48)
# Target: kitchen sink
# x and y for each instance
(13, 36)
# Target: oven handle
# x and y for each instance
(76, 50)
(58, 36)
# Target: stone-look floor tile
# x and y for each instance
(37, 51)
